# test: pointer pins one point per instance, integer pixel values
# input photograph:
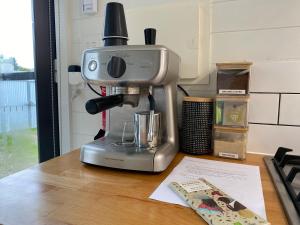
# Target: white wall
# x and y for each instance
(265, 32)
(86, 33)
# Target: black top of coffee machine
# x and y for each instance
(115, 29)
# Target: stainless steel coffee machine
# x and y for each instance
(141, 132)
(140, 68)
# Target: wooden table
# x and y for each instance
(64, 191)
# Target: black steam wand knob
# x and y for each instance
(150, 36)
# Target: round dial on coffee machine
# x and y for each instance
(116, 67)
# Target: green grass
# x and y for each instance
(18, 150)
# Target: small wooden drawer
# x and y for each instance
(233, 78)
(231, 111)
(230, 142)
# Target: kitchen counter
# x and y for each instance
(64, 191)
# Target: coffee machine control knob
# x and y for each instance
(116, 67)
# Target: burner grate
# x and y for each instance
(281, 160)
(283, 169)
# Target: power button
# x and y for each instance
(92, 65)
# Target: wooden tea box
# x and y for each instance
(231, 111)
(233, 78)
(230, 142)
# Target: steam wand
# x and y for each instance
(150, 36)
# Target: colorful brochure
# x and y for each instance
(213, 205)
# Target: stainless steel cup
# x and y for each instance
(147, 129)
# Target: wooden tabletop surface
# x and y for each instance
(64, 191)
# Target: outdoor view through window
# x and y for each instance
(18, 126)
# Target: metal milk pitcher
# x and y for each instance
(147, 129)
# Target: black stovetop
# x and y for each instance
(285, 172)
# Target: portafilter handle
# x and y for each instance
(96, 105)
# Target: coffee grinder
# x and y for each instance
(141, 131)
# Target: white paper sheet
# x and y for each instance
(241, 182)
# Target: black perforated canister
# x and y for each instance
(197, 122)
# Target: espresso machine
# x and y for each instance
(141, 132)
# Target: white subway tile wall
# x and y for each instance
(255, 14)
(276, 76)
(290, 109)
(267, 138)
(266, 33)
(263, 108)
(257, 45)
